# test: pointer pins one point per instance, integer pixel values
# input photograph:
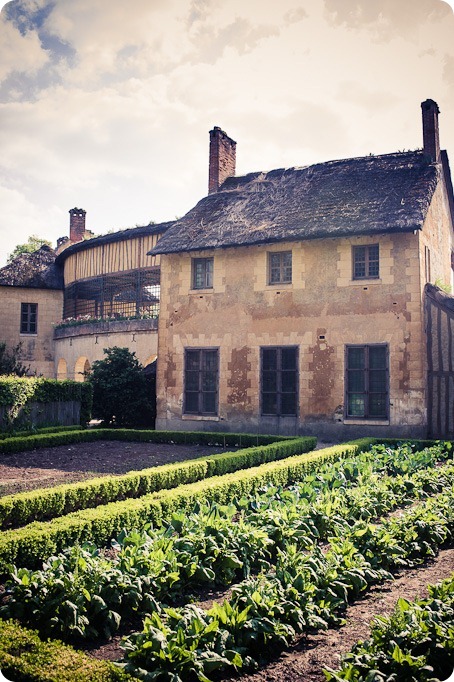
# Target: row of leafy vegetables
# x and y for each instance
(295, 558)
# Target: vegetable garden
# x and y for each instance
(286, 536)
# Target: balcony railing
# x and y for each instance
(91, 327)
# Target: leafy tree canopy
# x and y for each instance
(121, 392)
(32, 244)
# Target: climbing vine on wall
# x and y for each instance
(17, 392)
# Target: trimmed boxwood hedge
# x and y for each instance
(38, 505)
(41, 430)
(24, 657)
(32, 544)
(45, 439)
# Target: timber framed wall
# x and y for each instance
(112, 276)
(439, 317)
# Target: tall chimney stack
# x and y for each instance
(431, 137)
(76, 224)
(222, 159)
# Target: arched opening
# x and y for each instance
(149, 360)
(150, 374)
(62, 370)
(82, 366)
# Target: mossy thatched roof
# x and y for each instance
(368, 195)
(35, 270)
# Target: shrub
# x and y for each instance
(25, 658)
(120, 391)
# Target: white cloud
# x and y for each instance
(115, 102)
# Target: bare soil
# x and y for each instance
(47, 467)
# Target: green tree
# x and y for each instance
(121, 392)
(10, 360)
(32, 244)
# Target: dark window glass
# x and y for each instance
(202, 273)
(279, 381)
(367, 381)
(366, 262)
(201, 377)
(280, 267)
(29, 318)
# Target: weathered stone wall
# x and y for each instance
(76, 348)
(321, 311)
(37, 349)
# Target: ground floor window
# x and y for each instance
(366, 381)
(279, 381)
(201, 381)
(29, 318)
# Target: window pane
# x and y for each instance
(356, 381)
(288, 358)
(288, 382)
(192, 381)
(359, 261)
(192, 359)
(356, 405)
(210, 360)
(373, 261)
(269, 358)
(192, 402)
(208, 381)
(377, 381)
(356, 358)
(377, 357)
(288, 404)
(269, 405)
(269, 381)
(377, 405)
(209, 273)
(209, 403)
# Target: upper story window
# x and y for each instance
(366, 381)
(28, 318)
(202, 273)
(280, 267)
(366, 262)
(201, 381)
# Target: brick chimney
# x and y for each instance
(76, 224)
(222, 159)
(430, 132)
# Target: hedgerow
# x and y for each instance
(20, 509)
(52, 438)
(17, 392)
(29, 545)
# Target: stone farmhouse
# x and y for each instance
(301, 300)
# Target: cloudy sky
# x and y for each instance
(106, 104)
